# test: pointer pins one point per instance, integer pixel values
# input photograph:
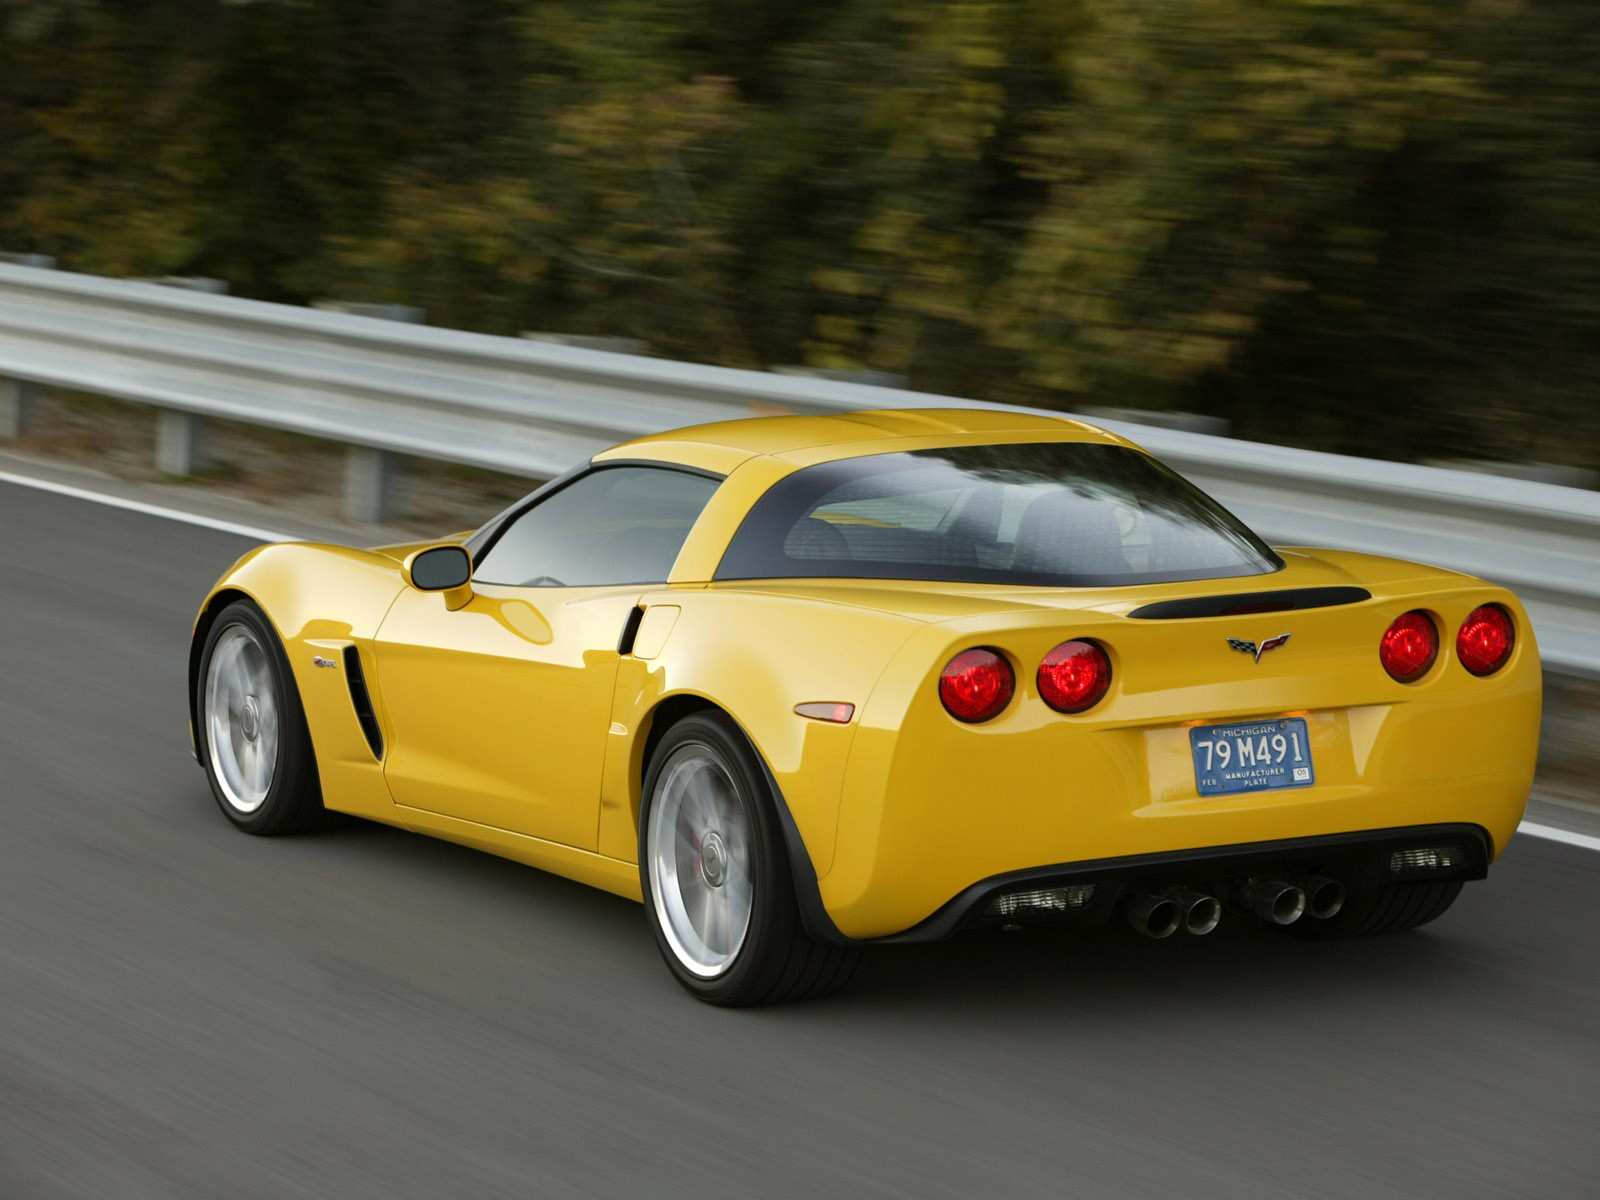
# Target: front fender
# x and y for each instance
(317, 598)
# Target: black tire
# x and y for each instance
(1390, 908)
(777, 962)
(293, 802)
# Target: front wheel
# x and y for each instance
(252, 733)
(717, 888)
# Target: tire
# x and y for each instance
(719, 896)
(1390, 908)
(251, 728)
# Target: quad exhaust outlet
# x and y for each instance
(1275, 901)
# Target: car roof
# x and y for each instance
(723, 445)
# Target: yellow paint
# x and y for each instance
(499, 710)
(513, 725)
(298, 587)
(654, 629)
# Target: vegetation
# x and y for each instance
(1366, 225)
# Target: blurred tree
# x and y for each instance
(194, 136)
(1361, 224)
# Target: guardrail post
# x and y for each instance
(180, 442)
(368, 474)
(16, 403)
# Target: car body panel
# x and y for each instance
(497, 712)
(321, 599)
(755, 656)
(520, 723)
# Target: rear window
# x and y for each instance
(1062, 514)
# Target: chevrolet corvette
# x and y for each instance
(804, 684)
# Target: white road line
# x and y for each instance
(150, 510)
(1531, 828)
(1583, 840)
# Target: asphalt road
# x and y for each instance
(186, 1011)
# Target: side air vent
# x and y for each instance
(361, 700)
(1244, 603)
(630, 630)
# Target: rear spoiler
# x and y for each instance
(1241, 603)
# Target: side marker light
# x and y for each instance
(835, 711)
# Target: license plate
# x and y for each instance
(1251, 757)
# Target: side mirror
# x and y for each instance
(446, 569)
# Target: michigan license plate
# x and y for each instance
(1251, 757)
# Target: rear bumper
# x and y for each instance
(949, 810)
(911, 871)
(1355, 859)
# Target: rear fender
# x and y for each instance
(754, 657)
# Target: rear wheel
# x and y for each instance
(717, 888)
(1388, 908)
(251, 729)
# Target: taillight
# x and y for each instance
(1074, 676)
(976, 684)
(1486, 639)
(1409, 646)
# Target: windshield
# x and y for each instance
(1064, 514)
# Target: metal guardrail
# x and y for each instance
(533, 409)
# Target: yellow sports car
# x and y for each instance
(802, 684)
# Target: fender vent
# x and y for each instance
(1282, 600)
(361, 700)
(630, 630)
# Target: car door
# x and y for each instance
(499, 710)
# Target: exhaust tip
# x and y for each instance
(1203, 915)
(1278, 902)
(1155, 916)
(1324, 896)
(1201, 912)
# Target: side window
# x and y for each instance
(614, 525)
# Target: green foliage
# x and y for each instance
(1360, 224)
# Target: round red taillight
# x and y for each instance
(1074, 676)
(976, 684)
(1486, 639)
(1409, 646)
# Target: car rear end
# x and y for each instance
(1125, 699)
(1234, 742)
